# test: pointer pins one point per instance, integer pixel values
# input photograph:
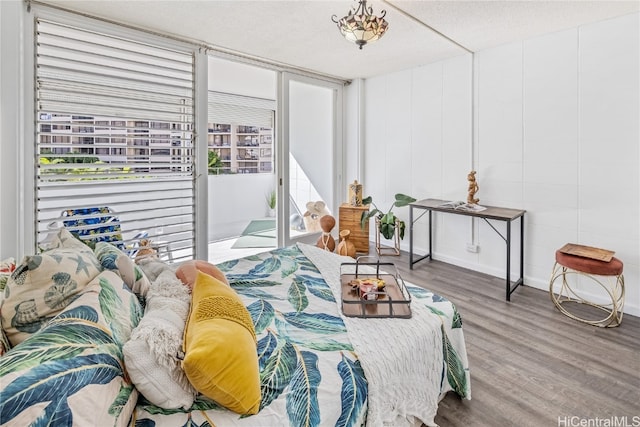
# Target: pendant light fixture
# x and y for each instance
(361, 26)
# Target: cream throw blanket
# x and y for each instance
(402, 358)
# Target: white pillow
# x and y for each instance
(151, 355)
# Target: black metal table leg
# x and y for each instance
(522, 249)
(508, 260)
(430, 234)
(410, 237)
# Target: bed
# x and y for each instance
(317, 366)
(343, 371)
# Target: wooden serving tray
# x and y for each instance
(393, 301)
(587, 252)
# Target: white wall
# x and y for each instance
(11, 13)
(234, 201)
(417, 141)
(241, 79)
(557, 134)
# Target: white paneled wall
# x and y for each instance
(550, 147)
(556, 133)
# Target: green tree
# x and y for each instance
(214, 163)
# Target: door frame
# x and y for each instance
(336, 172)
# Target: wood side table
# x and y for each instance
(349, 219)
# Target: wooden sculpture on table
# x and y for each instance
(473, 188)
(346, 246)
(355, 194)
(326, 241)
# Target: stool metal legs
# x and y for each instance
(613, 286)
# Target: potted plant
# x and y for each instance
(388, 221)
(271, 202)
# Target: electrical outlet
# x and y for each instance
(472, 248)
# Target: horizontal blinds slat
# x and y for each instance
(113, 97)
(130, 106)
(55, 45)
(95, 41)
(236, 109)
(99, 80)
(110, 92)
(66, 59)
(223, 113)
(241, 100)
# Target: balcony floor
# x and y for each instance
(222, 250)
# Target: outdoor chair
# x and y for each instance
(100, 224)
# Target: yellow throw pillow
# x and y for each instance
(221, 358)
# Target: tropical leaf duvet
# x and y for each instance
(310, 371)
(317, 368)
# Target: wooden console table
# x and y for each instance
(490, 213)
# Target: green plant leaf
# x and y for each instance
(288, 266)
(262, 313)
(121, 400)
(302, 401)
(227, 265)
(135, 311)
(419, 292)
(296, 295)
(266, 346)
(267, 266)
(110, 303)
(321, 323)
(323, 344)
(455, 371)
(314, 340)
(238, 283)
(318, 287)
(456, 322)
(306, 264)
(353, 393)
(401, 228)
(436, 311)
(288, 251)
(277, 374)
(387, 230)
(62, 340)
(256, 293)
(52, 382)
(366, 215)
(403, 200)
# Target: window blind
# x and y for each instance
(230, 108)
(114, 131)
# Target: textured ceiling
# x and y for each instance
(300, 33)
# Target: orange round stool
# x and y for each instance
(607, 274)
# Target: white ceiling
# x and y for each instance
(300, 33)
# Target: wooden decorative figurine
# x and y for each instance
(346, 246)
(355, 194)
(326, 241)
(473, 188)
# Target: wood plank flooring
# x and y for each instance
(531, 365)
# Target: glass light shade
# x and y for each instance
(360, 26)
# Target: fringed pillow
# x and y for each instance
(151, 355)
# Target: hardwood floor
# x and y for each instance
(531, 365)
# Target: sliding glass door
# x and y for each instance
(310, 155)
